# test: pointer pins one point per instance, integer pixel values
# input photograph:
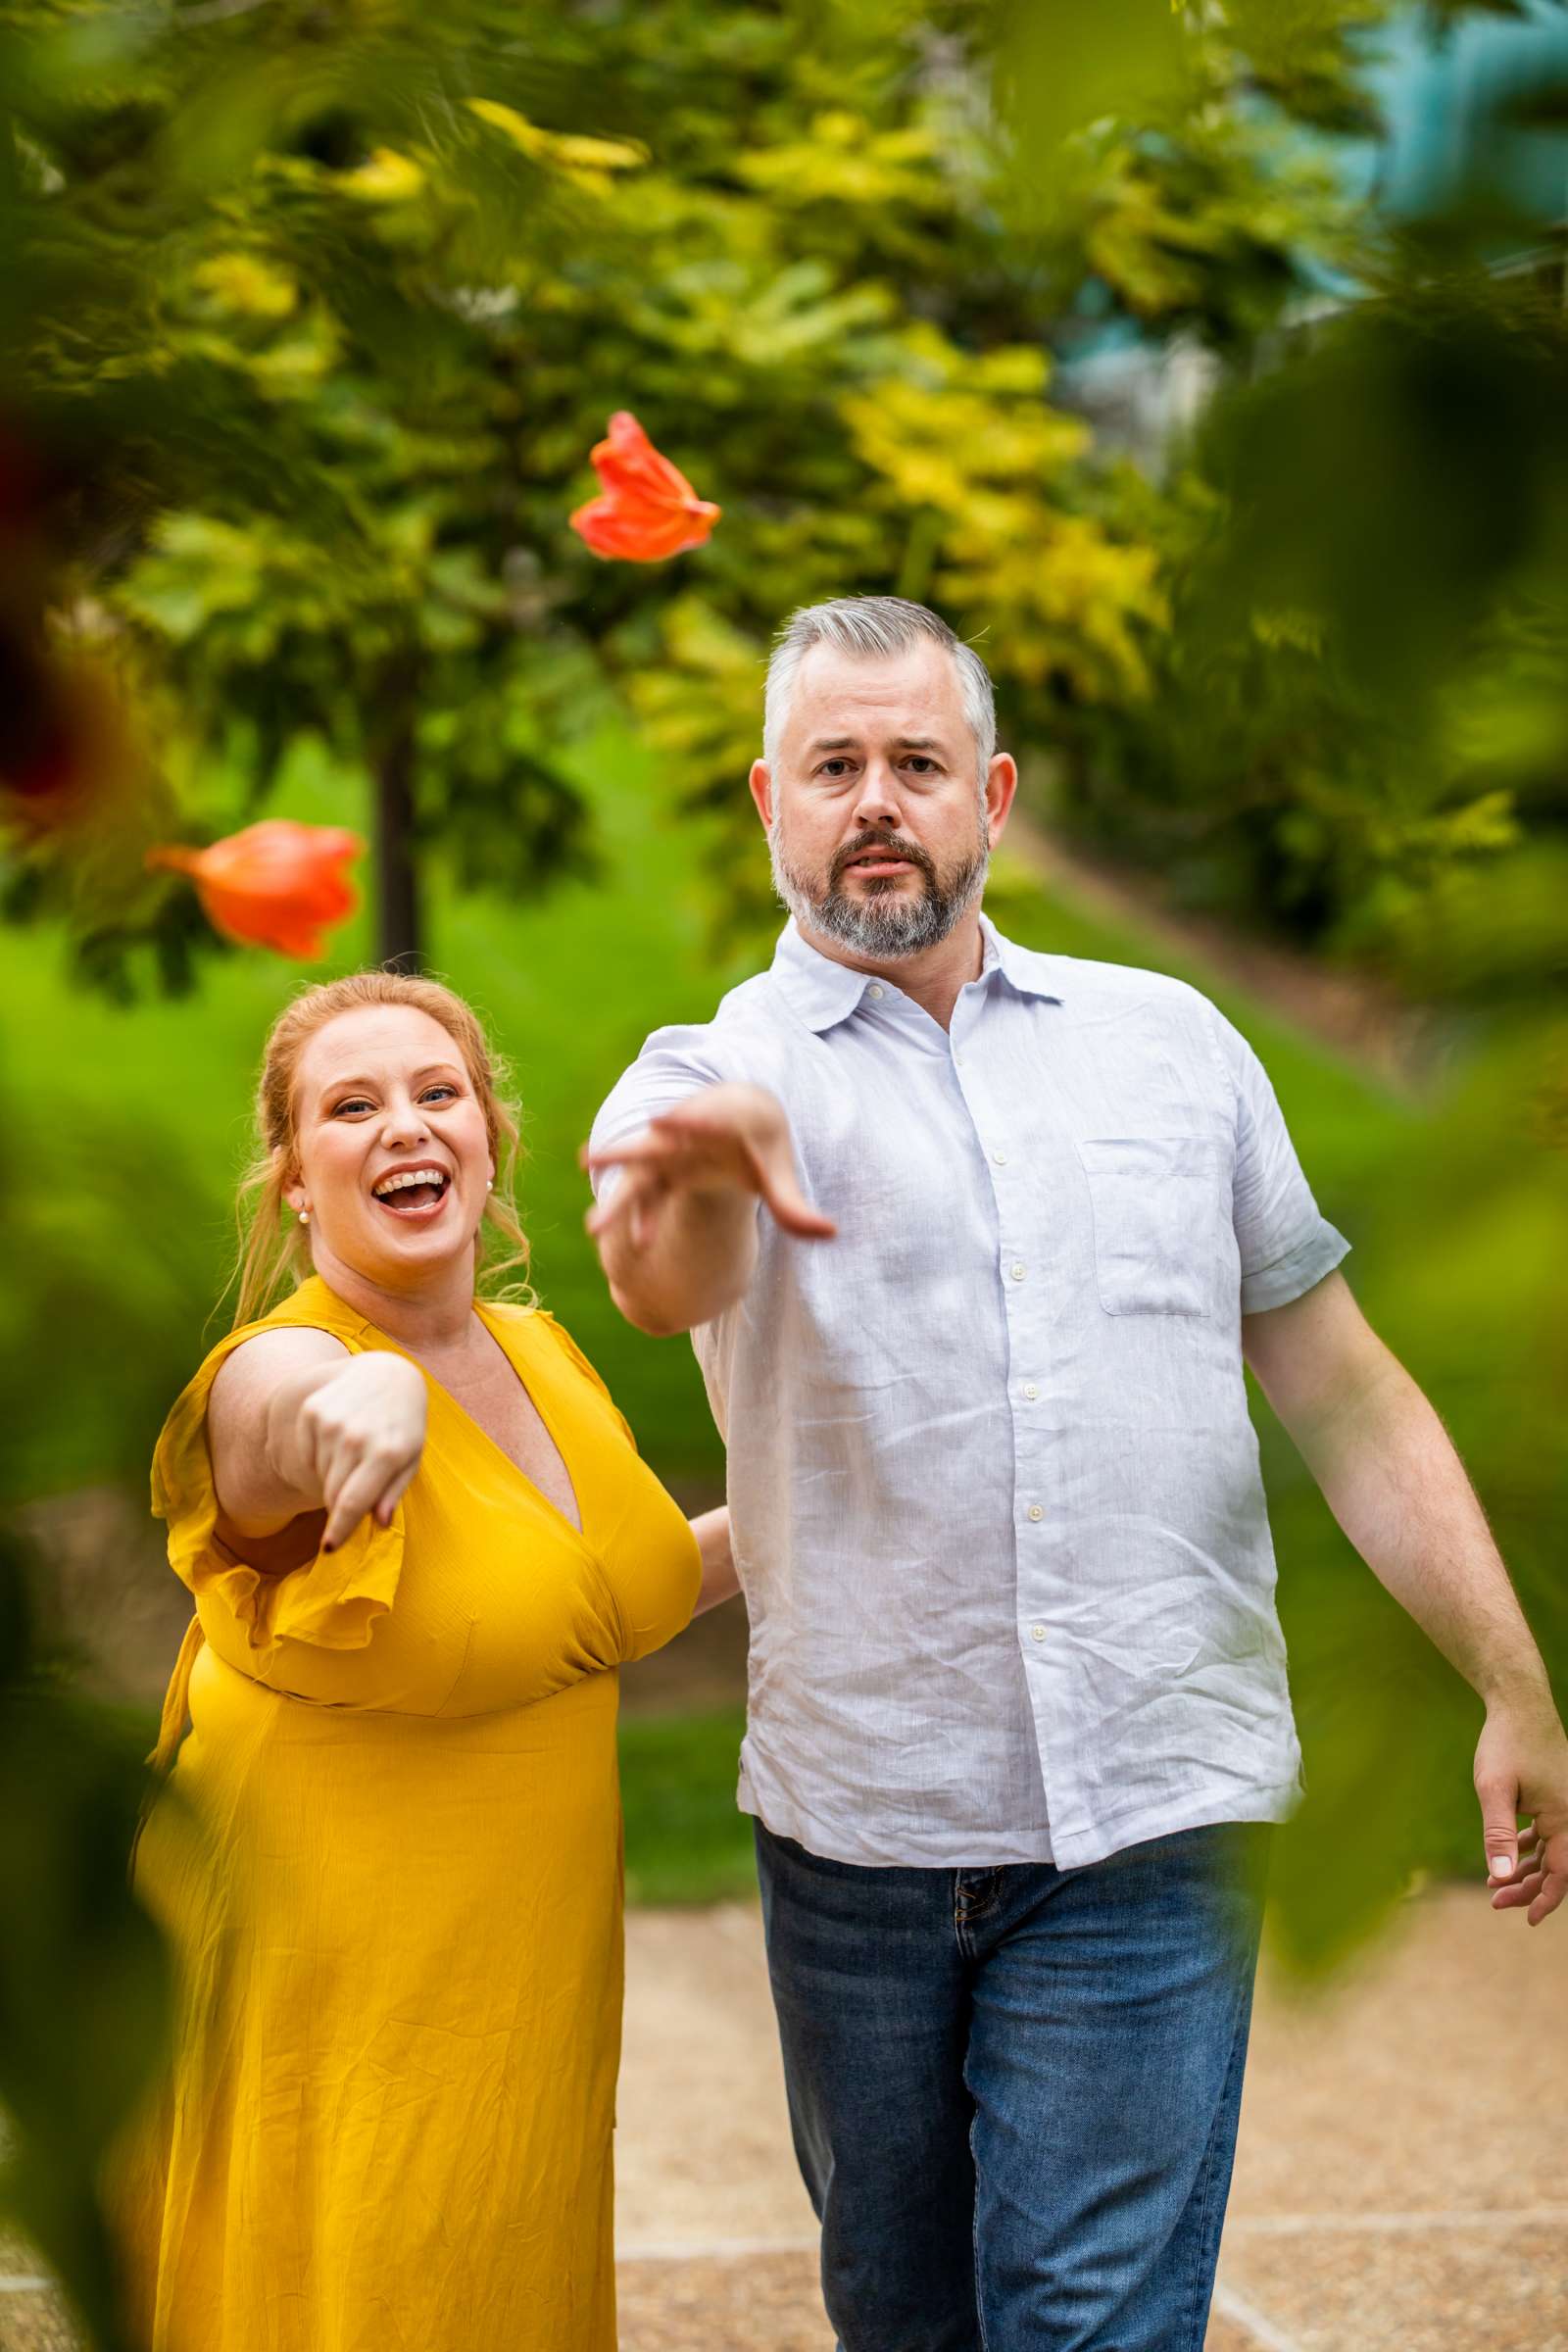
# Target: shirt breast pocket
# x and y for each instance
(1155, 1207)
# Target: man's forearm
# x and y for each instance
(695, 1259)
(1390, 1474)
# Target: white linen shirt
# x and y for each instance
(995, 1495)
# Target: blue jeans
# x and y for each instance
(1015, 2092)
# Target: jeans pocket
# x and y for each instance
(1156, 1205)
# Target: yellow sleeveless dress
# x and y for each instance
(394, 1893)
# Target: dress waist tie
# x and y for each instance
(177, 1701)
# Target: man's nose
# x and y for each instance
(877, 802)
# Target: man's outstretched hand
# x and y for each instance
(723, 1139)
(1522, 1768)
(677, 1230)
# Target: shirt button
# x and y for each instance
(1030, 1391)
(1016, 1269)
(1000, 1159)
(959, 1058)
(1037, 1633)
(1036, 1510)
(875, 989)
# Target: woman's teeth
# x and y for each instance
(411, 1187)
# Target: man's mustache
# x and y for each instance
(896, 847)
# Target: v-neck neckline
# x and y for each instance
(578, 1535)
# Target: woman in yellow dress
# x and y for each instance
(421, 1542)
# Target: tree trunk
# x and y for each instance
(399, 943)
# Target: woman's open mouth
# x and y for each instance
(413, 1194)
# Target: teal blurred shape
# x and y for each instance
(1451, 93)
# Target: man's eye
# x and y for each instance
(835, 768)
(921, 764)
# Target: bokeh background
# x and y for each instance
(1206, 367)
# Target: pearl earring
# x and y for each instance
(305, 1217)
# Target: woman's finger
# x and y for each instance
(348, 1503)
(394, 1494)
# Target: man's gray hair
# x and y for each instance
(875, 628)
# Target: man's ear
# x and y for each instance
(1001, 783)
(761, 783)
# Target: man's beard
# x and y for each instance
(886, 924)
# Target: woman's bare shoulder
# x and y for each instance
(251, 1370)
(252, 1499)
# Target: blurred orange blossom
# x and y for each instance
(277, 884)
(647, 509)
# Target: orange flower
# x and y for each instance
(647, 509)
(278, 883)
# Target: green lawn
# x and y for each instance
(686, 1842)
(133, 1122)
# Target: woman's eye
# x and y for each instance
(443, 1089)
(354, 1103)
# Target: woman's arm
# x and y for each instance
(719, 1579)
(297, 1424)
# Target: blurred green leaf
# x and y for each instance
(84, 1995)
(1060, 68)
(1403, 473)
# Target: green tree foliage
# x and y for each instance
(315, 320)
(324, 317)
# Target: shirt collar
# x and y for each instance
(824, 993)
(1030, 974)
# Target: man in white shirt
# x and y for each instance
(972, 1244)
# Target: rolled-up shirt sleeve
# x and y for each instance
(674, 1063)
(1286, 1242)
